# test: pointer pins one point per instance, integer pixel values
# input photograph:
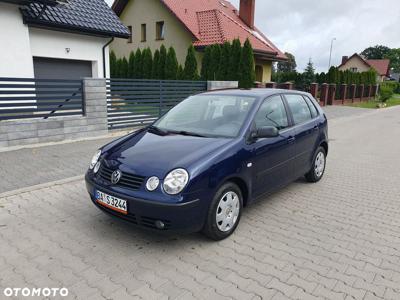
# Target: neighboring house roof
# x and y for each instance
(380, 65)
(214, 21)
(83, 16)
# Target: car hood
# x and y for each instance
(151, 154)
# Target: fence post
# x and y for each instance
(314, 90)
(286, 86)
(352, 92)
(270, 85)
(331, 94)
(324, 93)
(343, 92)
(361, 87)
(95, 101)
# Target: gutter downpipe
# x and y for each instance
(104, 57)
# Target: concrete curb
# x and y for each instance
(41, 186)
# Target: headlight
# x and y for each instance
(152, 183)
(95, 159)
(96, 167)
(175, 181)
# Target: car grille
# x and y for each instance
(130, 181)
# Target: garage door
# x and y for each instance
(50, 68)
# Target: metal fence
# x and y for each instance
(136, 103)
(27, 98)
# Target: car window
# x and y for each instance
(272, 113)
(299, 108)
(314, 111)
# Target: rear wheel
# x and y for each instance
(318, 166)
(224, 212)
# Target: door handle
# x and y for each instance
(291, 139)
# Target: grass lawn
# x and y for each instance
(395, 100)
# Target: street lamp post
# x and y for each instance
(330, 53)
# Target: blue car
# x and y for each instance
(199, 165)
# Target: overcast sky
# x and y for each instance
(305, 28)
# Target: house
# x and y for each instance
(198, 22)
(56, 38)
(356, 63)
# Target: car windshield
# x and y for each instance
(207, 115)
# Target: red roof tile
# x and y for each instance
(380, 65)
(214, 21)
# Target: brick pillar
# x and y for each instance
(343, 92)
(353, 92)
(260, 85)
(287, 86)
(331, 94)
(271, 85)
(324, 94)
(95, 97)
(314, 90)
(361, 89)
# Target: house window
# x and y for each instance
(130, 36)
(144, 33)
(354, 70)
(160, 30)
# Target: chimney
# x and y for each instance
(247, 11)
(344, 59)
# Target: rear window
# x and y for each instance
(313, 109)
(299, 108)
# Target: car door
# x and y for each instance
(306, 131)
(272, 157)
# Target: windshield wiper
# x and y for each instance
(155, 129)
(188, 133)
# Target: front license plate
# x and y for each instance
(112, 202)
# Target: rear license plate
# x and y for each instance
(112, 202)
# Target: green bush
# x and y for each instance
(247, 67)
(156, 61)
(163, 60)
(385, 93)
(147, 60)
(171, 65)
(190, 70)
(395, 86)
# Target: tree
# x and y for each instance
(124, 68)
(147, 63)
(205, 64)
(138, 71)
(222, 72)
(214, 62)
(161, 65)
(156, 61)
(394, 56)
(180, 75)
(247, 68)
(171, 65)
(234, 62)
(376, 52)
(190, 70)
(309, 73)
(289, 65)
(131, 65)
(113, 65)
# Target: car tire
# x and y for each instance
(318, 166)
(222, 223)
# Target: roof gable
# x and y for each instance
(84, 16)
(213, 21)
(380, 65)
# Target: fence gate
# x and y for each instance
(137, 103)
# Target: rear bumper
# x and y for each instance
(183, 217)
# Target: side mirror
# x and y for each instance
(266, 132)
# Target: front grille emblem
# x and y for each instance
(116, 176)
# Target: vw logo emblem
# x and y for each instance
(116, 176)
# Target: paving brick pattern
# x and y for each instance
(338, 239)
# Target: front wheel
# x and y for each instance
(318, 166)
(224, 213)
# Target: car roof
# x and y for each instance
(256, 92)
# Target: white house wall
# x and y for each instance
(15, 55)
(54, 44)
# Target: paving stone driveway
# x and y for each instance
(339, 239)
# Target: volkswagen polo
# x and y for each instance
(199, 165)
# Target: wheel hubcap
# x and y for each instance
(319, 164)
(228, 211)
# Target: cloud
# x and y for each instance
(305, 28)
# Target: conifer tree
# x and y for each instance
(215, 61)
(131, 65)
(190, 70)
(156, 61)
(205, 64)
(124, 68)
(138, 64)
(161, 64)
(171, 65)
(180, 75)
(247, 66)
(147, 59)
(113, 65)
(222, 72)
(234, 61)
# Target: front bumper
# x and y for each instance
(183, 217)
